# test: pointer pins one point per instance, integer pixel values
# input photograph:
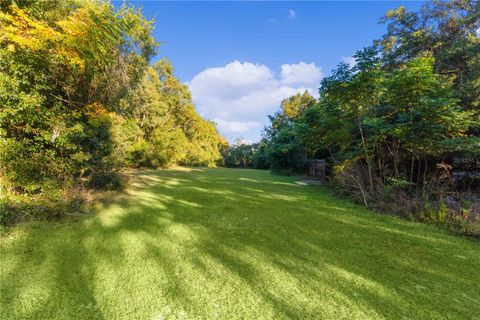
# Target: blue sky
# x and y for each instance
(242, 58)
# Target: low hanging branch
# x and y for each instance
(361, 188)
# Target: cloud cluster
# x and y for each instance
(239, 96)
(300, 73)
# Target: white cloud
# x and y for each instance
(241, 141)
(301, 73)
(235, 80)
(237, 126)
(349, 60)
(239, 96)
(292, 14)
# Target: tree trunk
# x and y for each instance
(411, 169)
(425, 175)
(367, 159)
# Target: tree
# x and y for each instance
(421, 112)
(172, 131)
(448, 31)
(63, 71)
(80, 101)
(293, 106)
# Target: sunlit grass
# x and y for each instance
(235, 244)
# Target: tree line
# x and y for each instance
(80, 101)
(392, 123)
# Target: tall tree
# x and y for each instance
(449, 31)
(62, 72)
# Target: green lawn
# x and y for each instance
(235, 244)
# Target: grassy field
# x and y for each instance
(235, 244)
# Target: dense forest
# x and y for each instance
(81, 100)
(400, 127)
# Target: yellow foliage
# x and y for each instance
(19, 31)
(396, 12)
(75, 25)
(294, 105)
(96, 110)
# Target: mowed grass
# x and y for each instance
(235, 244)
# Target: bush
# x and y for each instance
(45, 206)
(457, 211)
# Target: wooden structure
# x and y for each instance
(317, 169)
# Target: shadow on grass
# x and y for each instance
(223, 243)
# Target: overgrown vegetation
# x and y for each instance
(397, 124)
(80, 102)
(245, 155)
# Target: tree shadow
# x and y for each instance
(219, 243)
